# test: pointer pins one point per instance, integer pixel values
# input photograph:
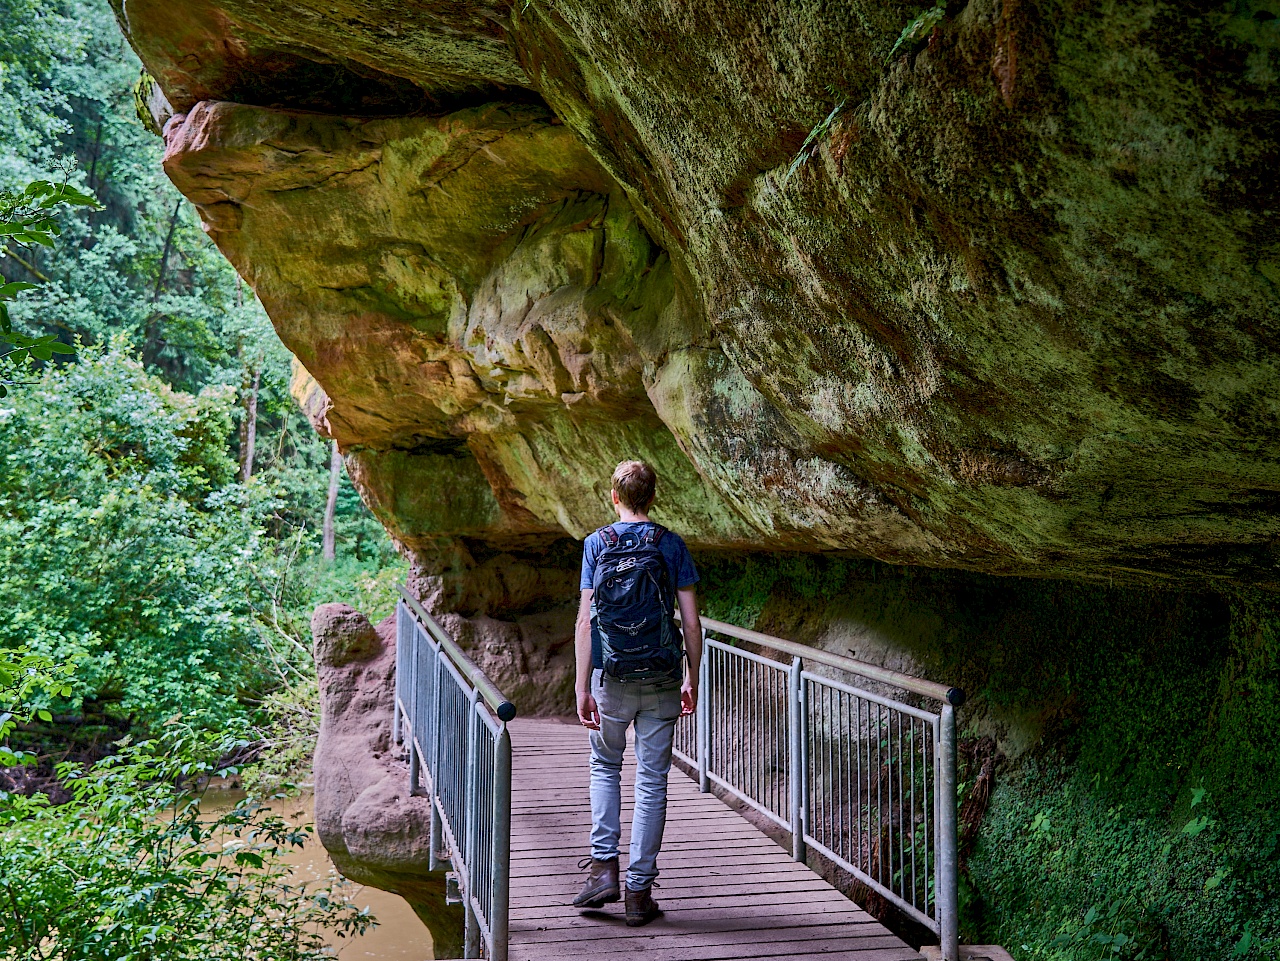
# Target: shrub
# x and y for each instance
(130, 869)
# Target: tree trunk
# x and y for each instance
(168, 247)
(250, 426)
(331, 507)
(93, 162)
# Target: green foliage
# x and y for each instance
(138, 263)
(125, 539)
(131, 868)
(28, 218)
(1084, 879)
(289, 717)
(122, 542)
(819, 131)
(23, 677)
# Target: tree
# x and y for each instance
(125, 542)
(331, 505)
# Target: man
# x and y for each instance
(631, 665)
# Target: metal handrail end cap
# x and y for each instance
(506, 711)
(955, 696)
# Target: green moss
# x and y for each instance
(420, 494)
(1058, 865)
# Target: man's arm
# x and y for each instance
(687, 597)
(588, 713)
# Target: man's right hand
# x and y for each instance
(688, 699)
(588, 713)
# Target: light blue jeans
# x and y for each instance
(653, 709)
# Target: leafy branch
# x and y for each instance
(28, 218)
(23, 677)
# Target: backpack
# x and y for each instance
(632, 603)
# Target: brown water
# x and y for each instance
(399, 936)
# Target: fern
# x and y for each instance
(817, 133)
(919, 28)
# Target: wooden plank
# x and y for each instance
(885, 948)
(729, 892)
(676, 883)
(677, 809)
(744, 869)
(672, 872)
(770, 900)
(682, 819)
(668, 893)
(795, 935)
(691, 928)
(712, 836)
(728, 865)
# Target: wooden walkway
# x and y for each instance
(728, 891)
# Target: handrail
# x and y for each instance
(503, 709)
(862, 778)
(452, 720)
(939, 692)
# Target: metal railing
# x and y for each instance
(453, 720)
(866, 780)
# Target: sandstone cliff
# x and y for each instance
(1011, 308)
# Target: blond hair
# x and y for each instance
(634, 482)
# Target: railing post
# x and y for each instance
(437, 831)
(414, 772)
(500, 907)
(471, 947)
(397, 736)
(948, 880)
(703, 718)
(409, 646)
(795, 762)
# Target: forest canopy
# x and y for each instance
(163, 497)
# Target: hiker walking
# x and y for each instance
(633, 669)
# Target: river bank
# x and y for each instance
(398, 936)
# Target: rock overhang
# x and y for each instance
(1015, 312)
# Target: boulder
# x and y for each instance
(375, 832)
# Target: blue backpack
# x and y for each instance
(632, 603)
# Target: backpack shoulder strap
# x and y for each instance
(654, 534)
(608, 535)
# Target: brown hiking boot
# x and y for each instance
(641, 908)
(602, 884)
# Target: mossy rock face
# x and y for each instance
(1012, 307)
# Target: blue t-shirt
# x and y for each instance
(674, 552)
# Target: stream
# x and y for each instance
(399, 935)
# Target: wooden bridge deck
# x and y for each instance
(729, 892)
